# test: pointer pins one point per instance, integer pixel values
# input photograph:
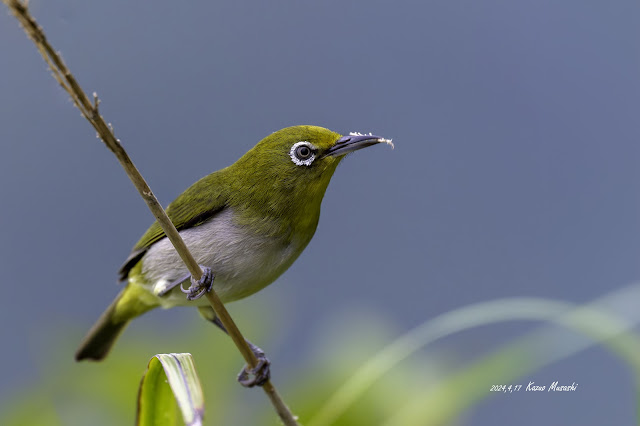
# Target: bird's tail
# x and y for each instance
(101, 337)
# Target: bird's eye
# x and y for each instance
(303, 153)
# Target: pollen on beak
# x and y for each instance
(355, 141)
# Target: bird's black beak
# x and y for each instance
(354, 142)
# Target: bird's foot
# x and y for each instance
(250, 377)
(257, 376)
(200, 287)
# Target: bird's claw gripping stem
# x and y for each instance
(258, 375)
(200, 287)
(261, 372)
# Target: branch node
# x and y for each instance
(96, 103)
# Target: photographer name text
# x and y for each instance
(533, 387)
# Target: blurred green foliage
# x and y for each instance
(105, 393)
(407, 388)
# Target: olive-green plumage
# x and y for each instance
(247, 222)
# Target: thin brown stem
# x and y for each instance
(90, 111)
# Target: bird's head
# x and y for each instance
(304, 155)
(287, 173)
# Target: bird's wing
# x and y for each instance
(199, 203)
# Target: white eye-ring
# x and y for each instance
(303, 153)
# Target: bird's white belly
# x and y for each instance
(243, 262)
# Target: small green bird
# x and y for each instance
(245, 225)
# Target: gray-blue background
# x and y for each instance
(515, 171)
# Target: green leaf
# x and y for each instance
(170, 387)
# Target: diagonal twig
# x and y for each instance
(89, 110)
